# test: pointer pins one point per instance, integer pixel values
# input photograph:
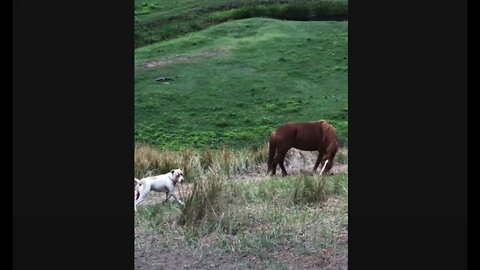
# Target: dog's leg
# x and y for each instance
(167, 196)
(175, 195)
(143, 195)
(137, 194)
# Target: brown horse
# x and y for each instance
(307, 136)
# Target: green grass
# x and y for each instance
(237, 81)
(159, 20)
(235, 74)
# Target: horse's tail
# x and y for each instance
(271, 151)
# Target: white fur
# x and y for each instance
(160, 183)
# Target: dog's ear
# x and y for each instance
(172, 171)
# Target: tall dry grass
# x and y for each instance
(206, 201)
(149, 161)
(313, 189)
(210, 172)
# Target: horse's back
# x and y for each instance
(301, 135)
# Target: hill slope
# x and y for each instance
(233, 83)
(159, 20)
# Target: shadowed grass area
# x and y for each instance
(159, 20)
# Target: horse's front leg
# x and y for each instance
(317, 163)
(327, 162)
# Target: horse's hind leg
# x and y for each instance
(273, 169)
(284, 172)
(281, 160)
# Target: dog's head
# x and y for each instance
(177, 175)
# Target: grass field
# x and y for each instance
(235, 82)
(213, 78)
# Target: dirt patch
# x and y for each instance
(184, 58)
(296, 162)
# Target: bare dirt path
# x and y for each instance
(183, 58)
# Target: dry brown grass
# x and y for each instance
(299, 221)
(149, 160)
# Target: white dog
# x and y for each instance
(160, 183)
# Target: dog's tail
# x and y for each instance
(271, 151)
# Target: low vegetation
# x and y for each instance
(264, 220)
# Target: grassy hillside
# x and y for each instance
(235, 82)
(158, 20)
(213, 78)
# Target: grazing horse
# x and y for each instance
(307, 136)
